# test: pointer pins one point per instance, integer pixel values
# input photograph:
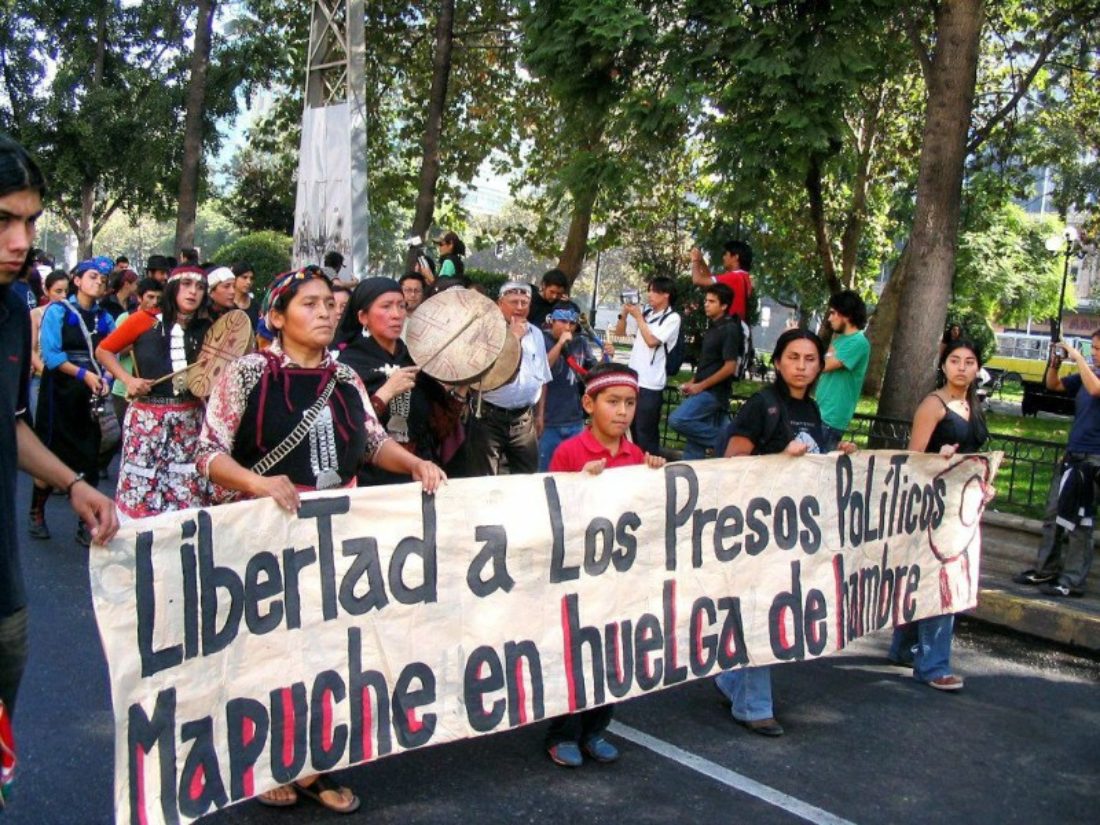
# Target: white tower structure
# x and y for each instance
(331, 210)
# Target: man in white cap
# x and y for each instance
(509, 423)
(221, 291)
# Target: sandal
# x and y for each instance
(278, 797)
(322, 785)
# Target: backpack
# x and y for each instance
(674, 356)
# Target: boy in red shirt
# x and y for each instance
(610, 399)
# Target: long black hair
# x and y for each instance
(977, 415)
(18, 171)
(168, 309)
(785, 340)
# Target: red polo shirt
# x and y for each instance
(573, 453)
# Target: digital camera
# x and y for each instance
(630, 296)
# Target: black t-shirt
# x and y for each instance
(540, 308)
(15, 346)
(770, 420)
(723, 342)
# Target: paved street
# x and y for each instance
(865, 743)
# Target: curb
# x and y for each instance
(1038, 616)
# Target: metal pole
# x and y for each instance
(595, 290)
(1057, 332)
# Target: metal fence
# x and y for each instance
(1022, 482)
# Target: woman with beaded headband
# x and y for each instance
(254, 444)
(72, 383)
(157, 470)
(414, 408)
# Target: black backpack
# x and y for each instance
(674, 356)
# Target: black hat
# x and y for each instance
(158, 262)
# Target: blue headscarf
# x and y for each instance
(100, 263)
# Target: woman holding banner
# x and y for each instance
(291, 419)
(947, 421)
(781, 418)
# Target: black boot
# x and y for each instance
(37, 527)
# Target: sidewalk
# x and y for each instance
(1008, 546)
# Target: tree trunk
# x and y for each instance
(883, 324)
(84, 229)
(576, 241)
(951, 80)
(821, 231)
(433, 129)
(192, 126)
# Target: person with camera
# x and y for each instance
(74, 389)
(656, 329)
(737, 259)
(1072, 499)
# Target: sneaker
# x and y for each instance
(83, 536)
(38, 529)
(765, 727)
(948, 682)
(1033, 577)
(1060, 590)
(600, 749)
(566, 754)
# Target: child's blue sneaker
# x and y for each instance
(566, 754)
(600, 749)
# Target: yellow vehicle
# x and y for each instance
(1023, 357)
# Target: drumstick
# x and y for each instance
(172, 375)
(451, 340)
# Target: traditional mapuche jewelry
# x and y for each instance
(178, 355)
(322, 451)
(398, 425)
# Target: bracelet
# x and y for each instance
(73, 483)
(80, 373)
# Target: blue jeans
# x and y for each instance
(749, 690)
(699, 419)
(927, 642)
(552, 436)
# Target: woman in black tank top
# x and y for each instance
(947, 421)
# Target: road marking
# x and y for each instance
(727, 777)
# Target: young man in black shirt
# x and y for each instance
(21, 190)
(705, 408)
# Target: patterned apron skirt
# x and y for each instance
(157, 472)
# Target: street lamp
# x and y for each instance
(1064, 243)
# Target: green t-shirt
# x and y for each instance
(838, 391)
(127, 361)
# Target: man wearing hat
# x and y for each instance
(157, 268)
(509, 421)
(221, 291)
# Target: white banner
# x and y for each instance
(323, 207)
(248, 647)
